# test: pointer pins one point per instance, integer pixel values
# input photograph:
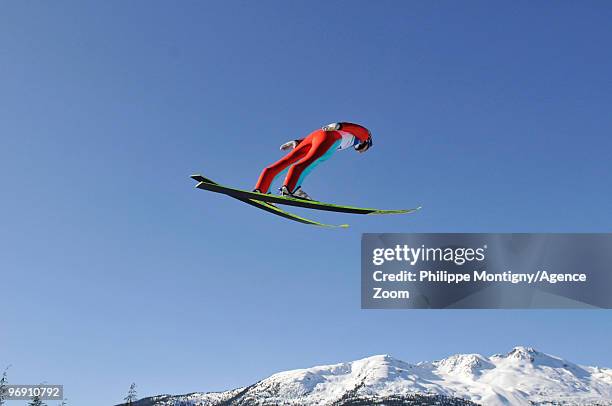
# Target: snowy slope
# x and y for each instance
(523, 376)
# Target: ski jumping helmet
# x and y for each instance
(367, 144)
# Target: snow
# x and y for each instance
(520, 377)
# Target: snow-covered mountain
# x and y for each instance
(523, 376)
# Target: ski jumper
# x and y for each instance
(317, 147)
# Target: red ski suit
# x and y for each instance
(318, 146)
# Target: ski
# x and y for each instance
(271, 208)
(309, 204)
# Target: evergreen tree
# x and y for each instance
(36, 402)
(3, 386)
(131, 396)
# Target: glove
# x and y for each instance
(332, 127)
(288, 145)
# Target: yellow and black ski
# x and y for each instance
(309, 204)
(270, 207)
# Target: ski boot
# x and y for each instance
(298, 193)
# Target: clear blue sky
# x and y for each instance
(495, 116)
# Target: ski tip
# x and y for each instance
(402, 211)
(201, 179)
(408, 211)
(412, 210)
(316, 224)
